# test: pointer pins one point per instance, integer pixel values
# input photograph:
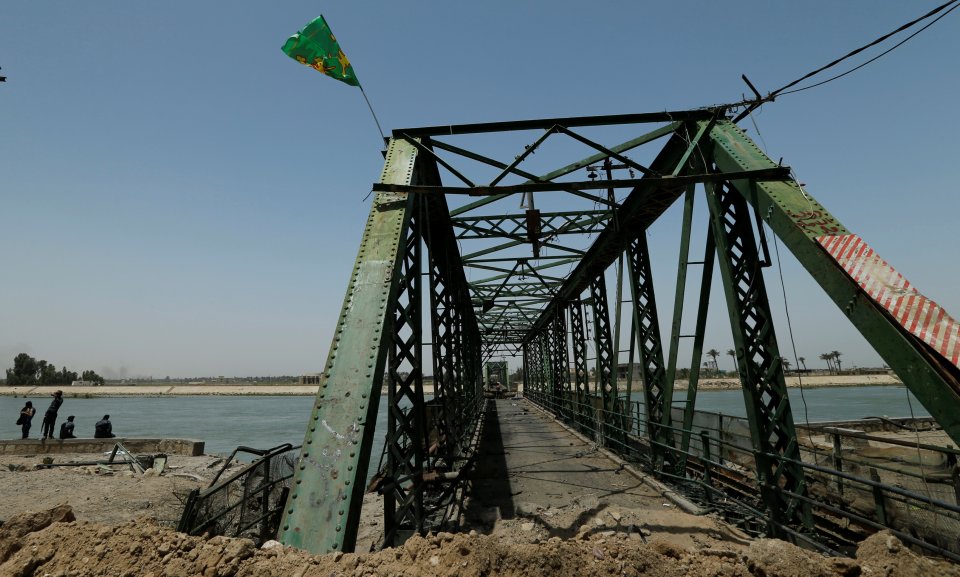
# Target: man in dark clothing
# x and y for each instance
(66, 429)
(103, 429)
(50, 417)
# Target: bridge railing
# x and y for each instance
(247, 503)
(854, 486)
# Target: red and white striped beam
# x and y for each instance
(919, 315)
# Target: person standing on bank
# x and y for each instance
(66, 429)
(103, 429)
(50, 417)
(26, 416)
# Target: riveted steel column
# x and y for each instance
(606, 372)
(706, 282)
(323, 510)
(761, 372)
(580, 372)
(549, 365)
(542, 363)
(561, 372)
(455, 337)
(444, 397)
(526, 368)
(404, 513)
(657, 392)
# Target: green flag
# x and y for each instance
(317, 47)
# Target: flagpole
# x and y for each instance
(372, 112)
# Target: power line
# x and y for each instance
(885, 52)
(754, 104)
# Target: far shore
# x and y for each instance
(808, 381)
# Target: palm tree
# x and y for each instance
(803, 362)
(828, 358)
(733, 354)
(836, 359)
(714, 353)
(786, 363)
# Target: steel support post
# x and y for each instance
(444, 388)
(657, 391)
(681, 285)
(550, 368)
(545, 368)
(580, 372)
(706, 279)
(457, 355)
(569, 396)
(525, 370)
(404, 513)
(561, 372)
(536, 369)
(323, 509)
(606, 371)
(706, 285)
(774, 438)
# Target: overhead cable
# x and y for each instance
(945, 8)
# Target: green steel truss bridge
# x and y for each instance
(472, 254)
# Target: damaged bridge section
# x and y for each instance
(479, 246)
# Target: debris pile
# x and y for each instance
(52, 542)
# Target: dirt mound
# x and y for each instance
(886, 555)
(55, 545)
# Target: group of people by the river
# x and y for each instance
(102, 430)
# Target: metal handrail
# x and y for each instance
(196, 520)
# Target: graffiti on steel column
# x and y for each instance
(817, 221)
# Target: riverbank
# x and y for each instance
(809, 381)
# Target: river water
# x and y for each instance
(225, 422)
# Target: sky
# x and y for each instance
(180, 198)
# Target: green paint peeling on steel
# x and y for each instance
(323, 509)
(797, 218)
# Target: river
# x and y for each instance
(224, 422)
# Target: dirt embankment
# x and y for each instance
(54, 543)
(86, 521)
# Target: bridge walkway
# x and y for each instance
(535, 472)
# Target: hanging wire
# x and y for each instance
(751, 105)
(793, 343)
(782, 90)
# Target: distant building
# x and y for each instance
(85, 384)
(309, 379)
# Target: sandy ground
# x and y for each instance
(103, 494)
(812, 381)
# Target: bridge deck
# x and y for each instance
(533, 470)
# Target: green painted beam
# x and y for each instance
(573, 167)
(323, 510)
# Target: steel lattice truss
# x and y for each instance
(474, 253)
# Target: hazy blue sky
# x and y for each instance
(179, 198)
